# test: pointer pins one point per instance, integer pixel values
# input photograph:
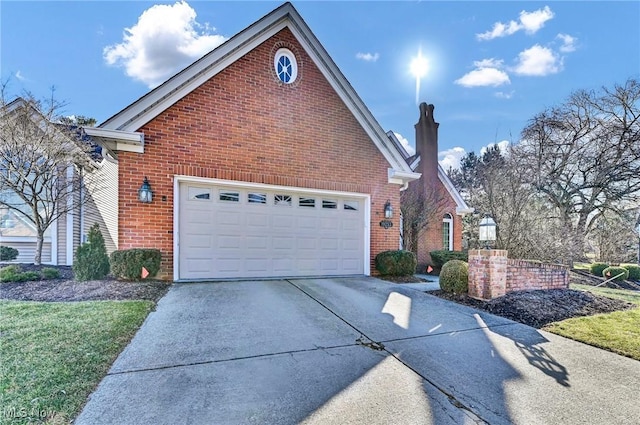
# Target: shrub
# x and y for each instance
(8, 254)
(25, 276)
(440, 257)
(597, 268)
(14, 273)
(454, 277)
(634, 271)
(91, 261)
(396, 263)
(9, 273)
(50, 273)
(128, 263)
(612, 271)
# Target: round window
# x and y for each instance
(285, 66)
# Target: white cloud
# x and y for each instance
(568, 43)
(368, 57)
(484, 77)
(533, 21)
(405, 143)
(451, 157)
(530, 22)
(503, 145)
(165, 39)
(504, 95)
(19, 76)
(537, 61)
(488, 63)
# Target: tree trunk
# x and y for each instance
(37, 260)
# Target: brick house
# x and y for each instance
(263, 162)
(443, 207)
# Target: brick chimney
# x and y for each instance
(427, 145)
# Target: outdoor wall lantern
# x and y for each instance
(388, 210)
(145, 195)
(487, 231)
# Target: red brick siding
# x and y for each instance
(243, 125)
(526, 275)
(431, 237)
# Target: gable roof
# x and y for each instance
(121, 127)
(71, 137)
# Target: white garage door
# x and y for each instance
(238, 232)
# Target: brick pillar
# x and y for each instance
(487, 273)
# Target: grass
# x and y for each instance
(54, 354)
(618, 332)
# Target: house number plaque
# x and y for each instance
(386, 224)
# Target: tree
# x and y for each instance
(584, 157)
(41, 162)
(495, 184)
(420, 208)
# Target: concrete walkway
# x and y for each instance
(352, 351)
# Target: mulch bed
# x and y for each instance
(67, 289)
(541, 307)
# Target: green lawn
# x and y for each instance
(618, 332)
(54, 354)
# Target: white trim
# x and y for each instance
(177, 179)
(69, 235)
(116, 140)
(54, 242)
(450, 222)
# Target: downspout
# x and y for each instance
(81, 206)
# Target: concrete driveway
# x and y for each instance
(352, 351)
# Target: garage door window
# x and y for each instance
(329, 204)
(307, 202)
(198, 193)
(351, 205)
(257, 198)
(229, 196)
(282, 200)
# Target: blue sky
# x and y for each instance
(492, 65)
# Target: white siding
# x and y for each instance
(102, 203)
(27, 251)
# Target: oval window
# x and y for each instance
(286, 66)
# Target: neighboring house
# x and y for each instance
(263, 162)
(66, 233)
(445, 206)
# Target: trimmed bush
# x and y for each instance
(454, 277)
(50, 273)
(440, 257)
(612, 271)
(8, 254)
(128, 263)
(91, 261)
(634, 271)
(396, 263)
(10, 273)
(14, 273)
(597, 268)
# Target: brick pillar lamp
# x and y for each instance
(487, 231)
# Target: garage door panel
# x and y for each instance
(266, 233)
(329, 243)
(229, 241)
(228, 218)
(306, 243)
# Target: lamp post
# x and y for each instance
(487, 231)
